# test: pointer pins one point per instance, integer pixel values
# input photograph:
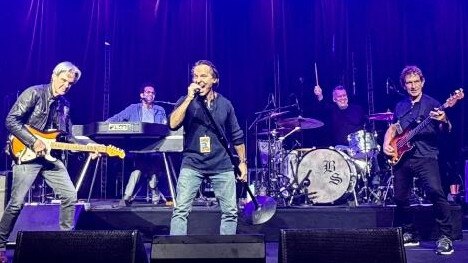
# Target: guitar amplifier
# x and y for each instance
(5, 182)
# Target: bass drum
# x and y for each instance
(331, 173)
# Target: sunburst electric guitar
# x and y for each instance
(402, 142)
(21, 153)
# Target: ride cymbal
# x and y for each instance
(280, 131)
(273, 115)
(301, 122)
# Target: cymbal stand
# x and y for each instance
(260, 176)
(260, 179)
(366, 193)
(417, 194)
(388, 188)
(275, 158)
(390, 182)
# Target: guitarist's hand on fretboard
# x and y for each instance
(96, 154)
(439, 115)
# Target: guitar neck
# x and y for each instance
(78, 147)
(422, 124)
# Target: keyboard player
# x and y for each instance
(144, 164)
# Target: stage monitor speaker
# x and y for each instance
(382, 245)
(116, 246)
(209, 248)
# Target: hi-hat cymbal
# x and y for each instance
(273, 115)
(280, 131)
(382, 116)
(303, 123)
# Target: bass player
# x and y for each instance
(421, 161)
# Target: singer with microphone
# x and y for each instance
(144, 164)
(204, 155)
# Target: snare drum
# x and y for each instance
(331, 174)
(363, 144)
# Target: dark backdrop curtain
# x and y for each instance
(259, 47)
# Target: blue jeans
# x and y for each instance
(56, 176)
(224, 186)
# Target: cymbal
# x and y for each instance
(273, 115)
(382, 116)
(280, 131)
(303, 123)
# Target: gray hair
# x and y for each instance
(67, 67)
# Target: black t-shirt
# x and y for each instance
(407, 115)
(196, 125)
(339, 123)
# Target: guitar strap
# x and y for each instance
(419, 116)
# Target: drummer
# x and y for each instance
(343, 118)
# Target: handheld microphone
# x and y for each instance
(196, 94)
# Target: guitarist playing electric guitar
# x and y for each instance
(411, 145)
(41, 107)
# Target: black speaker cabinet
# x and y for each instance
(380, 245)
(208, 248)
(80, 246)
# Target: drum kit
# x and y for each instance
(319, 176)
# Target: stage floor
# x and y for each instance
(153, 220)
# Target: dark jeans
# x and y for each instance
(427, 170)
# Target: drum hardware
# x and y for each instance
(297, 191)
(40, 193)
(383, 116)
(301, 122)
(272, 157)
(364, 149)
(418, 195)
(389, 189)
(205, 194)
(282, 138)
(272, 115)
(324, 175)
(276, 132)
